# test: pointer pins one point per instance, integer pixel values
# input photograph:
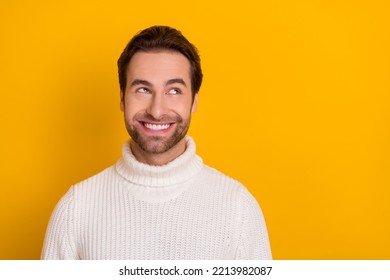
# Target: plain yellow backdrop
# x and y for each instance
(295, 105)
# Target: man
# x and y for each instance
(159, 201)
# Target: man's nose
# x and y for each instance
(157, 107)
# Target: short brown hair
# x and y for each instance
(161, 38)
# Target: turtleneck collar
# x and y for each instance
(175, 172)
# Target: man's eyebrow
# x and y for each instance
(137, 82)
(176, 81)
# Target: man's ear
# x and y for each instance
(195, 103)
(122, 105)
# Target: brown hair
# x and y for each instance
(161, 38)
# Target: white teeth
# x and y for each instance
(157, 126)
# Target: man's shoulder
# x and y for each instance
(214, 181)
(101, 179)
(219, 179)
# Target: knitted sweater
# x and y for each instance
(181, 210)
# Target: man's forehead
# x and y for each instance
(164, 65)
(159, 53)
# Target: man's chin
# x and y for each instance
(156, 144)
(155, 147)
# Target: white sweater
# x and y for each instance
(182, 210)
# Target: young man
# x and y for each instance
(159, 201)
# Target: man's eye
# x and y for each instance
(174, 91)
(143, 90)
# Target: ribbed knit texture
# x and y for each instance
(182, 210)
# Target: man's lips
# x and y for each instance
(156, 126)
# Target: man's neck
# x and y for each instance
(160, 158)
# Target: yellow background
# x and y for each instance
(295, 104)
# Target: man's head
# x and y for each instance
(160, 76)
(161, 38)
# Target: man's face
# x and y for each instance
(157, 102)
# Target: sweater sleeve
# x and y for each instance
(254, 242)
(59, 240)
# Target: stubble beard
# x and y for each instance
(159, 144)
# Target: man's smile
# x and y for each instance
(157, 126)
